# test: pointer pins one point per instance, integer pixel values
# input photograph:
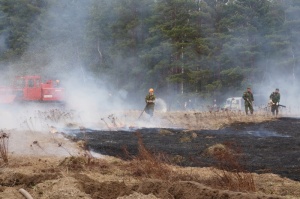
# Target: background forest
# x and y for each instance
(184, 49)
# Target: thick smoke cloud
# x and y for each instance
(89, 98)
(95, 97)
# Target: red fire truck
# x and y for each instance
(31, 88)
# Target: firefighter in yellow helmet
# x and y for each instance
(150, 102)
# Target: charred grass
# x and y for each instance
(228, 173)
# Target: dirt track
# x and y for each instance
(266, 147)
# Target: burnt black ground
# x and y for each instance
(267, 147)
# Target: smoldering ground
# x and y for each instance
(266, 147)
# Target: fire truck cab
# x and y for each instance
(31, 88)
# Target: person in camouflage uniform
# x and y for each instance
(274, 101)
(249, 99)
(150, 102)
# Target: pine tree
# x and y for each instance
(16, 20)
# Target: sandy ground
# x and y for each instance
(49, 166)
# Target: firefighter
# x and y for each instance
(249, 99)
(150, 102)
(274, 101)
(57, 83)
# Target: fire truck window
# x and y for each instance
(30, 83)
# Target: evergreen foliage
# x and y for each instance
(199, 47)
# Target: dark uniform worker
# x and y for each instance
(150, 102)
(274, 101)
(249, 99)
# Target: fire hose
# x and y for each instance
(271, 103)
(25, 194)
(105, 123)
(142, 112)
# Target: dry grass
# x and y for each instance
(210, 120)
(44, 177)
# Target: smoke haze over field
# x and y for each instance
(64, 57)
(96, 96)
(91, 97)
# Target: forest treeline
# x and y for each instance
(192, 47)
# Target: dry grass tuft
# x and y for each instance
(229, 172)
(217, 149)
(74, 163)
(165, 132)
(147, 164)
(81, 163)
(185, 139)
